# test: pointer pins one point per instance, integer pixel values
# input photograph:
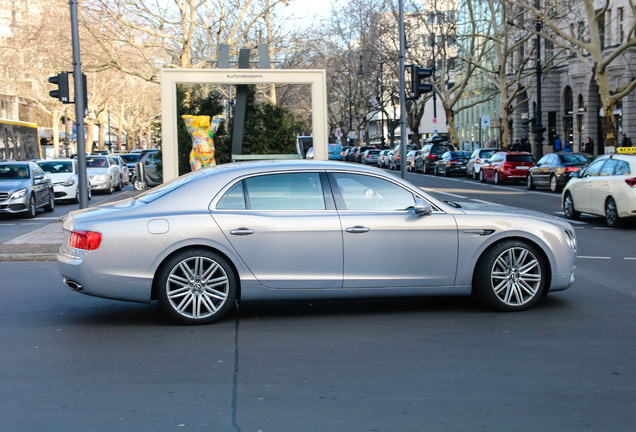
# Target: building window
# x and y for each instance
(601, 30)
(621, 25)
(549, 53)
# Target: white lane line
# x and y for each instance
(429, 190)
(594, 257)
(630, 258)
(603, 228)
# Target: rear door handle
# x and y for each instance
(358, 229)
(242, 231)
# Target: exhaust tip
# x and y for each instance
(73, 285)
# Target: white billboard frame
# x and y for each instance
(317, 78)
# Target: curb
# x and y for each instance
(28, 257)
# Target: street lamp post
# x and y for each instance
(538, 126)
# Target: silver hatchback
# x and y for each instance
(306, 230)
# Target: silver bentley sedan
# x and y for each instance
(308, 230)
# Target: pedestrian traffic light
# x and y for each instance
(418, 86)
(62, 87)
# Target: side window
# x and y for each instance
(362, 192)
(608, 168)
(233, 198)
(594, 169)
(622, 168)
(543, 160)
(290, 191)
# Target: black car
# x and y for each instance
(130, 159)
(555, 169)
(429, 155)
(452, 162)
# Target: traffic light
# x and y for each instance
(62, 87)
(418, 86)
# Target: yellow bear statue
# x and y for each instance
(202, 134)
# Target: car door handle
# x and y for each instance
(242, 231)
(358, 229)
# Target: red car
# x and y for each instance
(506, 166)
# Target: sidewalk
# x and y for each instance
(43, 243)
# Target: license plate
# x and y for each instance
(523, 167)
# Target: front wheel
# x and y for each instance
(196, 286)
(510, 276)
(530, 183)
(497, 180)
(481, 176)
(31, 209)
(611, 214)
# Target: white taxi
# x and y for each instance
(607, 187)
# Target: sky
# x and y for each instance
(308, 10)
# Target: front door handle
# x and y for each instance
(358, 229)
(242, 231)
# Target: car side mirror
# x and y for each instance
(38, 177)
(422, 207)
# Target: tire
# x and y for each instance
(110, 189)
(481, 176)
(50, 206)
(497, 181)
(31, 209)
(475, 175)
(446, 174)
(118, 186)
(196, 286)
(435, 171)
(568, 207)
(139, 185)
(510, 276)
(529, 183)
(554, 184)
(611, 214)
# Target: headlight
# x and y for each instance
(69, 181)
(18, 194)
(570, 239)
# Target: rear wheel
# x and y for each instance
(497, 180)
(611, 214)
(510, 276)
(554, 184)
(50, 206)
(196, 286)
(568, 207)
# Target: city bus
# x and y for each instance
(19, 140)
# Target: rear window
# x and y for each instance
(486, 153)
(132, 157)
(439, 149)
(519, 158)
(460, 154)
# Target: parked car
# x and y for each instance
(361, 151)
(352, 154)
(410, 159)
(477, 159)
(103, 173)
(24, 188)
(452, 162)
(383, 158)
(334, 151)
(395, 164)
(555, 169)
(607, 187)
(429, 154)
(148, 172)
(504, 166)
(370, 157)
(65, 177)
(202, 242)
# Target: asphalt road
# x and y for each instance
(75, 363)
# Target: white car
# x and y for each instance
(477, 160)
(64, 175)
(103, 173)
(607, 187)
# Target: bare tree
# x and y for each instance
(562, 18)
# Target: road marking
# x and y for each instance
(430, 190)
(603, 228)
(630, 258)
(569, 220)
(594, 257)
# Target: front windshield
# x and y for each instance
(56, 167)
(14, 172)
(96, 162)
(132, 157)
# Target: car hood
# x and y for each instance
(12, 185)
(96, 171)
(499, 210)
(59, 177)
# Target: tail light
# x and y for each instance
(431, 156)
(88, 240)
(631, 181)
(478, 161)
(572, 169)
(508, 166)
